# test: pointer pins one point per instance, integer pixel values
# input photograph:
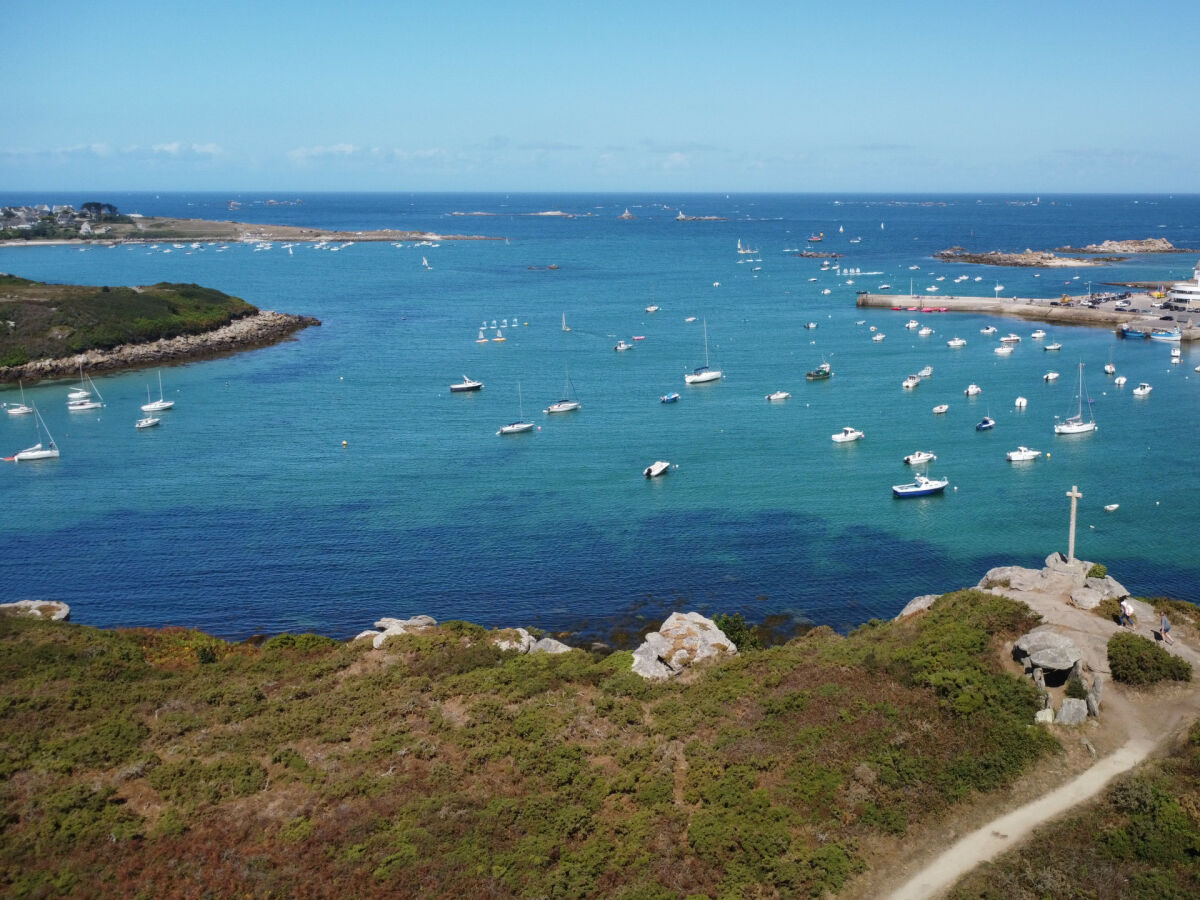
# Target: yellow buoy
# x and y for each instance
(344, 444)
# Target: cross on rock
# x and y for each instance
(1074, 494)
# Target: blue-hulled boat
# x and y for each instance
(986, 424)
(669, 398)
(921, 487)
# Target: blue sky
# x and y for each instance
(527, 96)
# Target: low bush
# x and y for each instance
(1098, 570)
(1133, 659)
(738, 631)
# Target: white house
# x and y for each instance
(1186, 294)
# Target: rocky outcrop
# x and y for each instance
(1045, 648)
(53, 610)
(1072, 712)
(683, 640)
(522, 641)
(386, 627)
(257, 330)
(917, 604)
(1038, 259)
(1145, 245)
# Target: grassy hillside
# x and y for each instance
(45, 321)
(169, 763)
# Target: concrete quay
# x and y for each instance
(1141, 315)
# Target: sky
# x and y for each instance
(770, 96)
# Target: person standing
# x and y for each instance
(1164, 628)
(1127, 614)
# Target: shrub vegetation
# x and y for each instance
(1135, 660)
(170, 763)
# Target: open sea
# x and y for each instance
(322, 483)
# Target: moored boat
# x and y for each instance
(820, 373)
(779, 395)
(910, 382)
(847, 434)
(656, 468)
(467, 384)
(672, 397)
(941, 408)
(987, 423)
(1022, 454)
(1054, 346)
(972, 390)
(956, 342)
(918, 457)
(1076, 424)
(920, 487)
(1142, 390)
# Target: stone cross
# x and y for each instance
(1074, 494)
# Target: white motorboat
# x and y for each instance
(623, 345)
(1022, 454)
(925, 332)
(990, 329)
(956, 342)
(1010, 339)
(910, 382)
(1020, 403)
(672, 397)
(1142, 390)
(972, 390)
(912, 323)
(1050, 376)
(779, 395)
(941, 408)
(1006, 350)
(847, 434)
(1054, 346)
(520, 426)
(1109, 368)
(925, 372)
(920, 456)
(652, 308)
(146, 422)
(1077, 424)
(19, 409)
(1120, 380)
(45, 448)
(1112, 507)
(568, 403)
(810, 325)
(878, 337)
(920, 487)
(1038, 335)
(703, 374)
(467, 384)
(157, 405)
(656, 468)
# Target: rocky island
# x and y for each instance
(1045, 259)
(53, 329)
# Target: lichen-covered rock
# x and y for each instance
(1044, 716)
(1108, 587)
(1087, 597)
(388, 626)
(54, 610)
(1072, 712)
(517, 639)
(683, 640)
(1076, 568)
(550, 645)
(918, 604)
(1047, 649)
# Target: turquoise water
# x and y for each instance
(243, 512)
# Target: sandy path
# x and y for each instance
(1006, 832)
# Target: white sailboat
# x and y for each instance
(520, 426)
(1076, 424)
(159, 404)
(20, 409)
(703, 373)
(81, 392)
(565, 326)
(40, 450)
(87, 401)
(568, 403)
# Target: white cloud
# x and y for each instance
(303, 155)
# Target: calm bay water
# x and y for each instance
(243, 512)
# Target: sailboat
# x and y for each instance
(159, 404)
(565, 326)
(81, 392)
(482, 339)
(703, 373)
(86, 402)
(20, 409)
(1075, 424)
(38, 450)
(568, 403)
(520, 426)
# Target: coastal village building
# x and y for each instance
(1186, 294)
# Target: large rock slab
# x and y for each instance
(1087, 597)
(550, 645)
(917, 604)
(1047, 649)
(1076, 568)
(1072, 712)
(1108, 587)
(517, 639)
(53, 610)
(388, 626)
(683, 640)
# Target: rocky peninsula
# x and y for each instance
(1114, 251)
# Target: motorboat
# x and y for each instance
(920, 456)
(1112, 507)
(920, 487)
(987, 423)
(1050, 376)
(912, 323)
(1006, 350)
(1038, 335)
(656, 468)
(956, 342)
(1011, 339)
(990, 329)
(1076, 424)
(1022, 454)
(878, 337)
(1109, 368)
(672, 397)
(652, 308)
(941, 408)
(779, 395)
(146, 422)
(153, 406)
(1054, 346)
(1142, 390)
(810, 324)
(467, 384)
(1020, 403)
(1120, 380)
(703, 374)
(972, 390)
(925, 372)
(820, 373)
(910, 382)
(925, 332)
(847, 434)
(1173, 335)
(622, 345)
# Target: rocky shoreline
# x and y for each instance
(1031, 259)
(260, 329)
